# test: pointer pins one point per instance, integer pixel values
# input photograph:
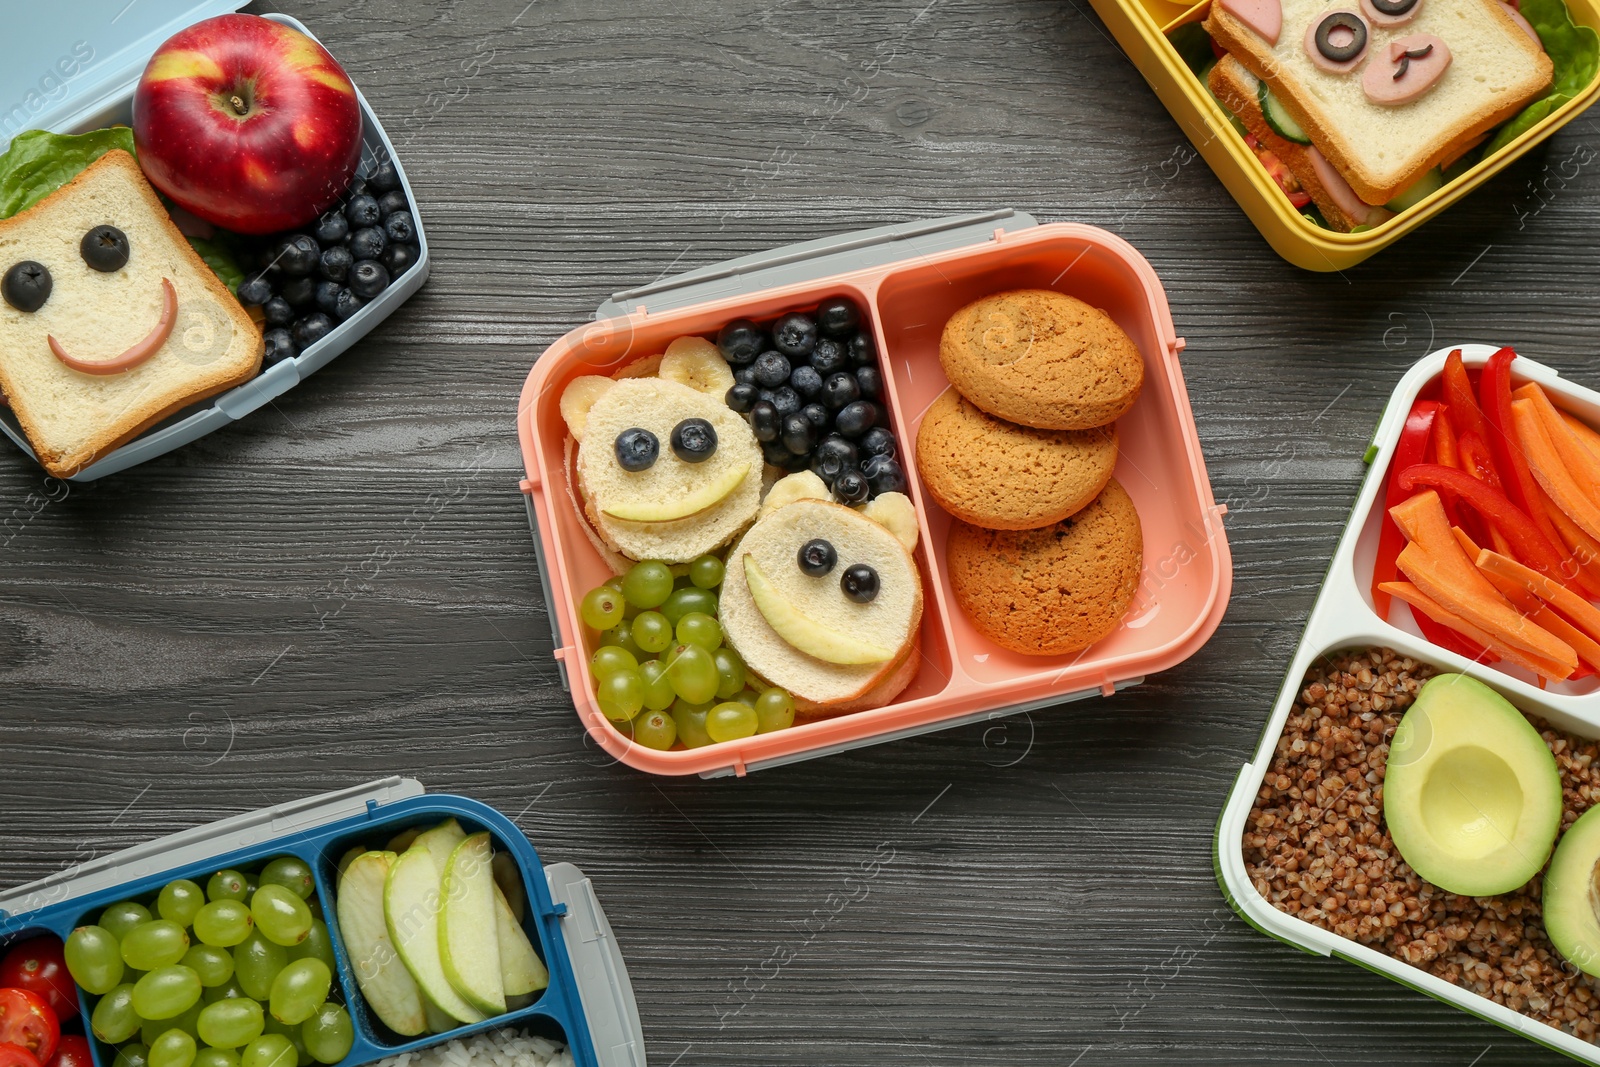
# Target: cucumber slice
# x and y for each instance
(1233, 120)
(1282, 123)
(1420, 190)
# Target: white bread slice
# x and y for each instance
(888, 687)
(1495, 71)
(893, 619)
(72, 418)
(658, 405)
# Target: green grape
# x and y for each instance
(133, 1054)
(256, 962)
(299, 990)
(329, 1034)
(179, 901)
(655, 729)
(774, 711)
(621, 636)
(292, 873)
(301, 1053)
(698, 628)
(114, 1019)
(188, 1022)
(613, 582)
(172, 1049)
(690, 719)
(269, 1050)
(231, 1023)
(158, 943)
(318, 945)
(706, 572)
(124, 916)
(730, 673)
(658, 691)
(693, 673)
(165, 992)
(93, 959)
(314, 905)
(282, 917)
(251, 884)
(223, 923)
(229, 990)
(213, 965)
(602, 607)
(679, 570)
(683, 601)
(227, 885)
(747, 696)
(652, 632)
(647, 584)
(621, 695)
(216, 1057)
(608, 658)
(731, 720)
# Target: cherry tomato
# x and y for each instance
(38, 966)
(17, 1056)
(27, 1021)
(72, 1052)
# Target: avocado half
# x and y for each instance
(1472, 795)
(1572, 892)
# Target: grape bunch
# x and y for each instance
(237, 974)
(308, 282)
(812, 391)
(662, 674)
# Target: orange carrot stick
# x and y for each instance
(1548, 469)
(1582, 464)
(1579, 610)
(1584, 432)
(1585, 550)
(1488, 611)
(1420, 601)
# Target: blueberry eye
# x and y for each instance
(637, 449)
(105, 249)
(817, 557)
(694, 440)
(26, 286)
(859, 583)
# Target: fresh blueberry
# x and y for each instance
(817, 414)
(300, 292)
(856, 419)
(766, 394)
(851, 487)
(838, 317)
(636, 449)
(883, 473)
(400, 227)
(349, 303)
(311, 329)
(105, 249)
(772, 369)
(332, 228)
(806, 381)
(840, 389)
(785, 400)
(817, 557)
(795, 334)
(833, 457)
(280, 345)
(368, 243)
(741, 341)
(335, 263)
(694, 440)
(277, 312)
(27, 285)
(798, 435)
(863, 350)
(878, 442)
(297, 255)
(742, 397)
(871, 382)
(362, 211)
(384, 178)
(764, 421)
(859, 583)
(359, 186)
(255, 290)
(328, 296)
(829, 356)
(745, 375)
(774, 453)
(397, 259)
(391, 202)
(368, 279)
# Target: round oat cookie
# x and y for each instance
(1043, 359)
(1054, 590)
(1002, 476)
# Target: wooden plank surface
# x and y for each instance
(1047, 896)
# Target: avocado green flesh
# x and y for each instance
(1471, 795)
(1570, 894)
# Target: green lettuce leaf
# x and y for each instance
(40, 162)
(1574, 55)
(220, 259)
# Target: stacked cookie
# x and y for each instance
(1045, 549)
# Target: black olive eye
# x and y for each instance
(105, 249)
(817, 557)
(859, 583)
(1393, 8)
(694, 440)
(26, 286)
(637, 449)
(1352, 36)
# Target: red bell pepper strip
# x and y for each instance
(1514, 523)
(1445, 449)
(1464, 413)
(1443, 636)
(1476, 460)
(1408, 452)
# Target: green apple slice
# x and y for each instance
(411, 898)
(469, 947)
(390, 990)
(508, 878)
(521, 969)
(708, 495)
(439, 1020)
(440, 841)
(808, 636)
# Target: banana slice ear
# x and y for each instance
(791, 487)
(578, 397)
(697, 363)
(895, 513)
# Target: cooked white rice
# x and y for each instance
(492, 1048)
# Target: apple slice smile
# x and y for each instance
(707, 496)
(803, 633)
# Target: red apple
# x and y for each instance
(247, 123)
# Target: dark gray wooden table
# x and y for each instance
(1049, 897)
